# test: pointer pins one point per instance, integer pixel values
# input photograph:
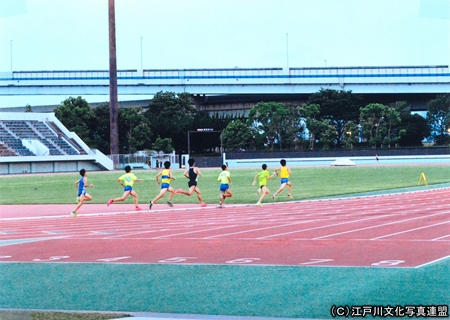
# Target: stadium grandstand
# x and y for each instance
(39, 142)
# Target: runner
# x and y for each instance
(192, 174)
(225, 183)
(83, 196)
(284, 174)
(127, 181)
(166, 176)
(263, 177)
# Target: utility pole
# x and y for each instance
(287, 51)
(142, 64)
(11, 54)
(113, 99)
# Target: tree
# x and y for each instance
(77, 115)
(400, 111)
(266, 119)
(164, 145)
(415, 129)
(328, 134)
(372, 122)
(313, 125)
(237, 136)
(438, 117)
(171, 116)
(339, 107)
(392, 119)
(291, 128)
(134, 130)
(100, 132)
(352, 134)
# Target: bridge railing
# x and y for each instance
(229, 80)
(439, 70)
(70, 75)
(212, 73)
(238, 73)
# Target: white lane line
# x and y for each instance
(322, 227)
(377, 226)
(259, 229)
(440, 238)
(431, 262)
(195, 231)
(410, 230)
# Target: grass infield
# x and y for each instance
(308, 183)
(37, 315)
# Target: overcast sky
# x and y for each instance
(73, 34)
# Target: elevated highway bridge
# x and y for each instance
(237, 86)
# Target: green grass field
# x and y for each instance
(36, 315)
(308, 183)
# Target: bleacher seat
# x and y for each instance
(12, 132)
(6, 152)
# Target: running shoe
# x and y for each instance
(170, 204)
(138, 208)
(290, 196)
(150, 204)
(259, 204)
(73, 214)
(179, 191)
(110, 201)
(220, 206)
(274, 197)
(203, 204)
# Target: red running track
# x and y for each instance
(397, 230)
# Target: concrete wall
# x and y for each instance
(47, 166)
(216, 161)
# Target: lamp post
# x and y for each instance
(11, 54)
(350, 138)
(287, 51)
(142, 68)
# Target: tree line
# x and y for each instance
(163, 126)
(329, 119)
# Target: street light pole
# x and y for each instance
(142, 68)
(11, 54)
(287, 50)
